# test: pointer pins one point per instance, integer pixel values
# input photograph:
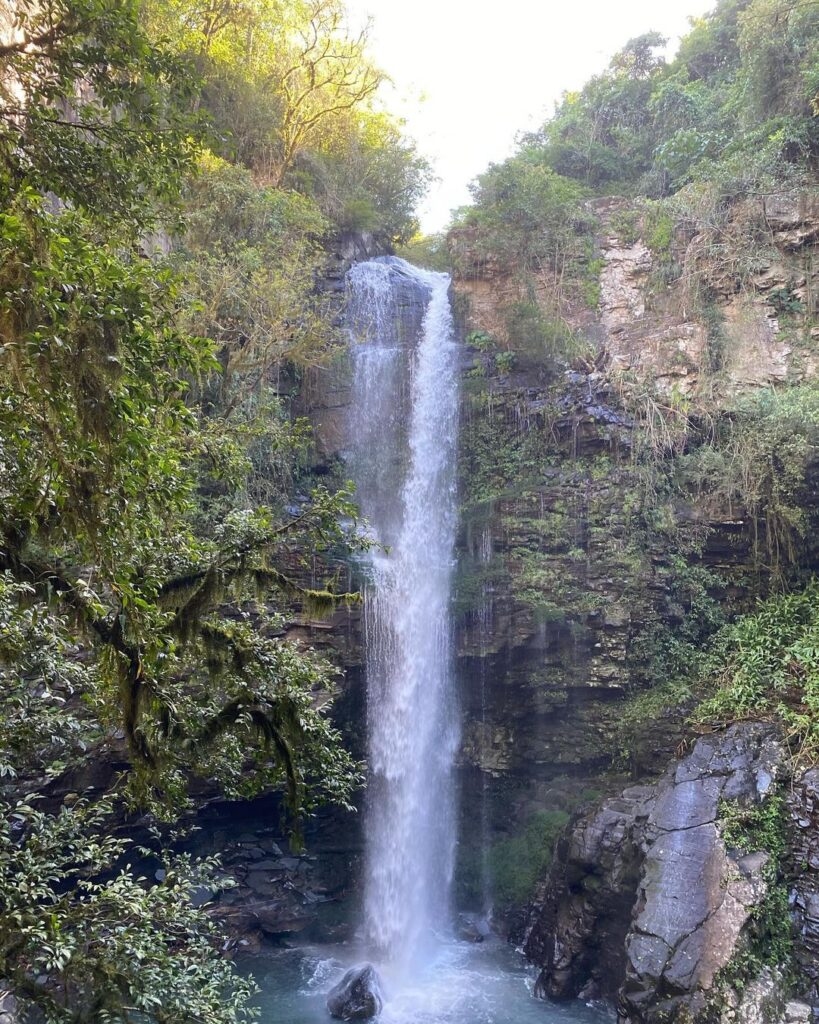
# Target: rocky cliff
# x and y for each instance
(570, 591)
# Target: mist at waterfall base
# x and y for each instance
(402, 427)
(463, 984)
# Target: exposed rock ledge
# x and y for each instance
(645, 904)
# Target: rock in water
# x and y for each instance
(472, 928)
(357, 996)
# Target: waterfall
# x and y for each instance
(404, 426)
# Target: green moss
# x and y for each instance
(516, 863)
(472, 581)
(547, 587)
(769, 942)
(496, 457)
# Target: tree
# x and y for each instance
(93, 111)
(143, 580)
(366, 176)
(324, 72)
(76, 950)
(100, 451)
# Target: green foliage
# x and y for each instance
(754, 827)
(733, 108)
(538, 338)
(44, 727)
(428, 251)
(80, 949)
(99, 443)
(480, 340)
(659, 231)
(757, 457)
(750, 829)
(766, 666)
(544, 586)
(495, 456)
(526, 213)
(92, 418)
(668, 655)
(290, 94)
(626, 225)
(93, 110)
(535, 224)
(505, 362)
(517, 863)
(249, 262)
(369, 177)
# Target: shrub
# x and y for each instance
(766, 666)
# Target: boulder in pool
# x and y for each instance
(357, 996)
(472, 928)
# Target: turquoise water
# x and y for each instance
(487, 983)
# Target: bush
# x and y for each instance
(516, 864)
(766, 666)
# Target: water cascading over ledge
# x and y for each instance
(404, 430)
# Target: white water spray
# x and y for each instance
(404, 429)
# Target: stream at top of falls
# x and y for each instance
(402, 443)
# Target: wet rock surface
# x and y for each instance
(357, 996)
(803, 865)
(645, 904)
(264, 892)
(472, 928)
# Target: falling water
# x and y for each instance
(405, 393)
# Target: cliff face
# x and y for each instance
(648, 903)
(560, 584)
(648, 330)
(670, 294)
(565, 592)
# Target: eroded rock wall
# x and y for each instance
(648, 904)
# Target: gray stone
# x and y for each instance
(260, 882)
(644, 903)
(472, 928)
(201, 895)
(797, 1013)
(269, 865)
(8, 1008)
(357, 996)
(687, 804)
(803, 869)
(761, 1001)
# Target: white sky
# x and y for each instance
(469, 75)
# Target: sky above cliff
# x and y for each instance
(469, 75)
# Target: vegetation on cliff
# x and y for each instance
(638, 482)
(696, 143)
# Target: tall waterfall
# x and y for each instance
(404, 425)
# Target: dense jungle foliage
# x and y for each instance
(732, 114)
(171, 176)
